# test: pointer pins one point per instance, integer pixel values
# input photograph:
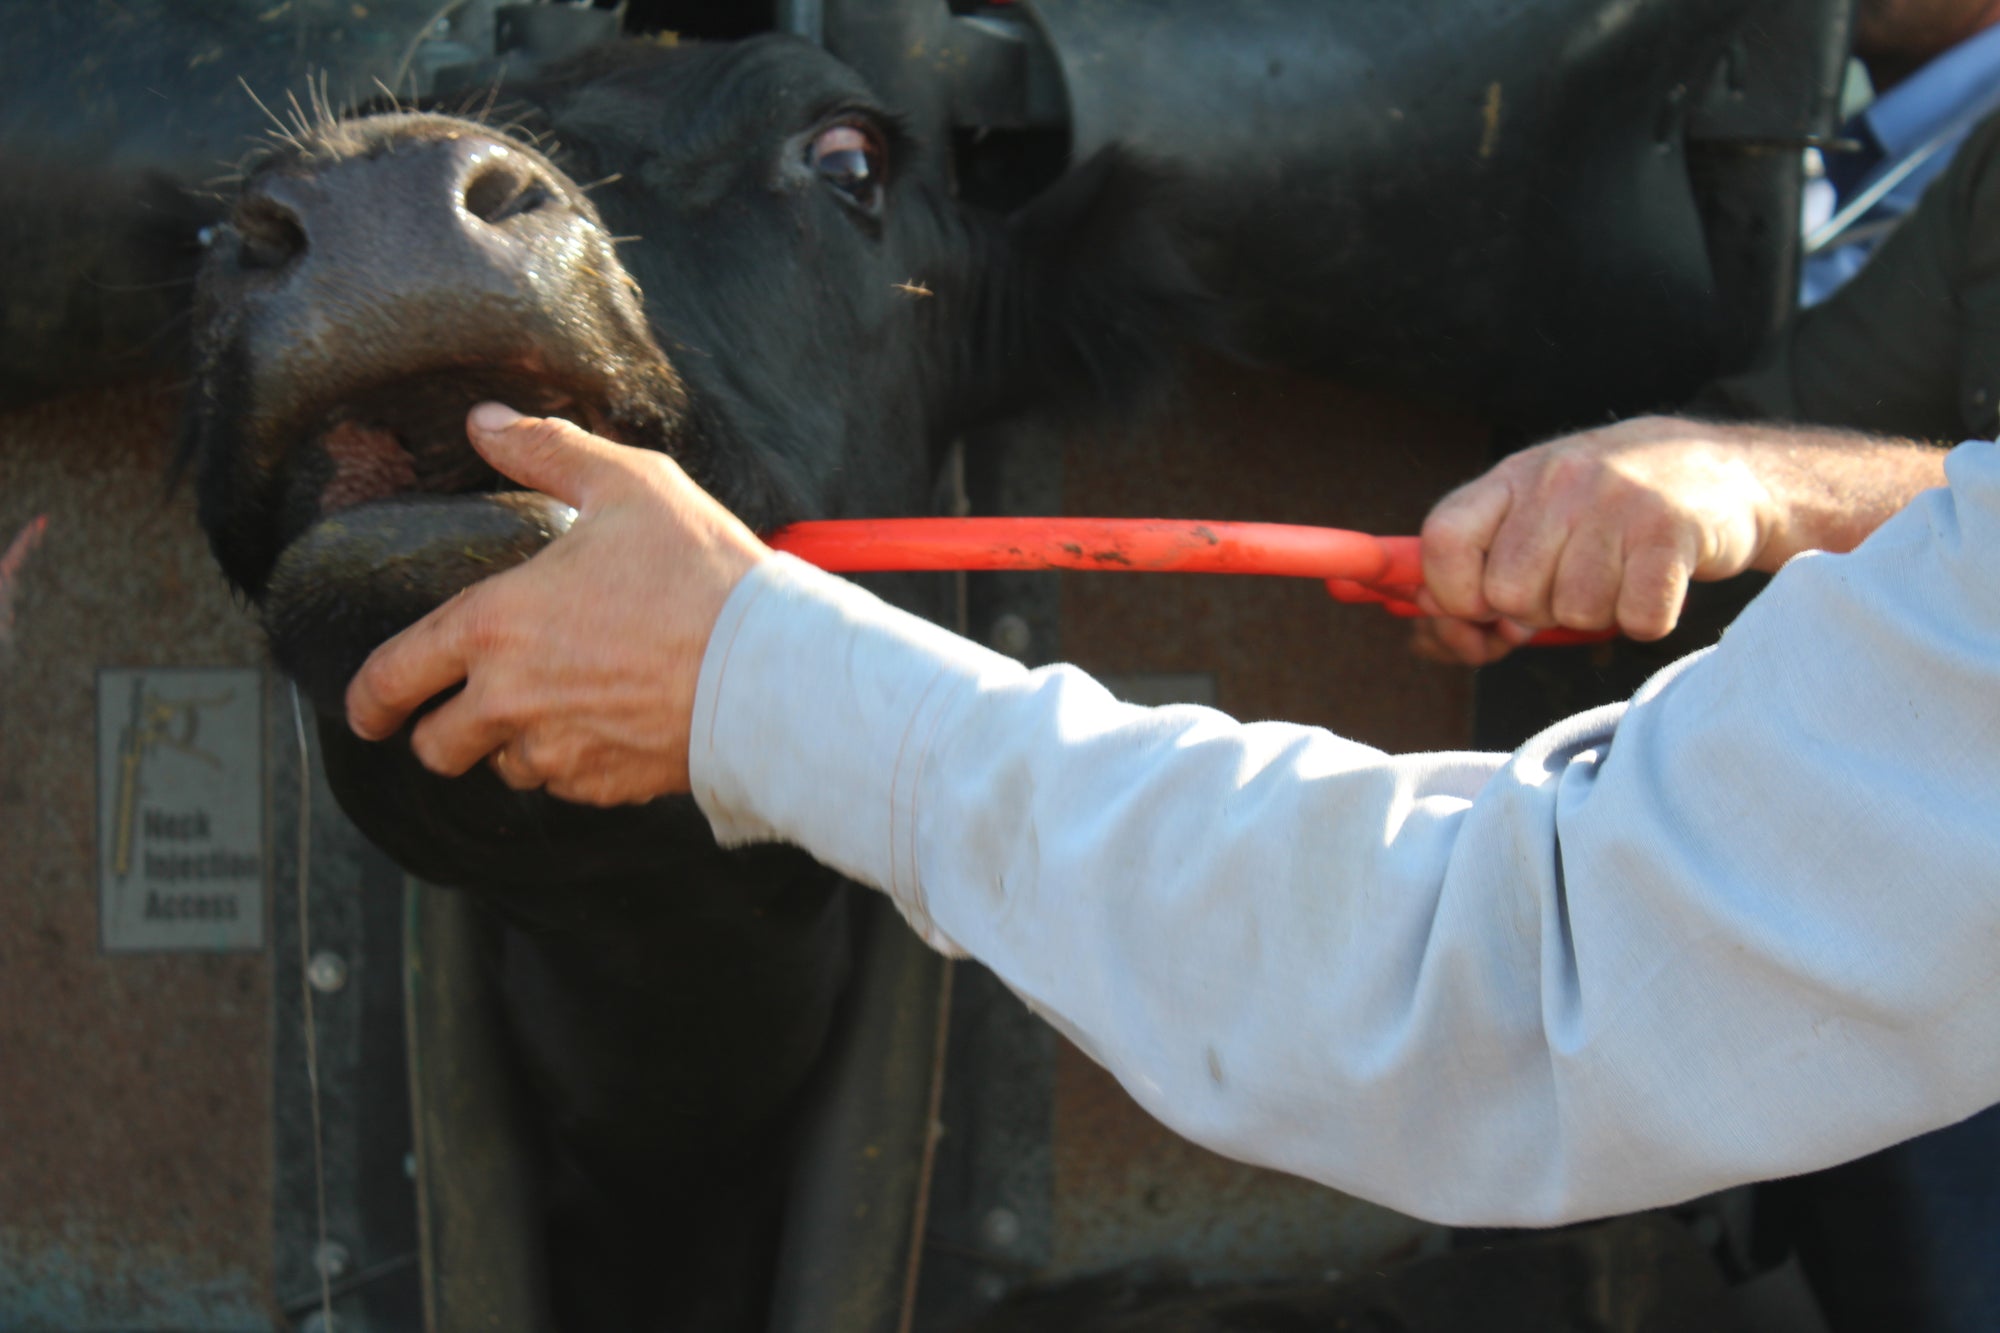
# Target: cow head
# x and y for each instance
(719, 251)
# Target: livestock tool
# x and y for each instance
(1355, 566)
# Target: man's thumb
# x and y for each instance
(546, 454)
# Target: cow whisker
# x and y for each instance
(279, 129)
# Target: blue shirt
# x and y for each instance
(1744, 926)
(1945, 98)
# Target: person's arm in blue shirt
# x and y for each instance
(1745, 926)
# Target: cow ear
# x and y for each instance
(1096, 292)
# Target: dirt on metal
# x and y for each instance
(135, 1140)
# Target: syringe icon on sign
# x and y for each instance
(155, 721)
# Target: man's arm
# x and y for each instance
(1745, 927)
(1606, 528)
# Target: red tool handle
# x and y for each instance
(1355, 566)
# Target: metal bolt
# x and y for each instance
(1001, 1228)
(327, 972)
(1010, 635)
(331, 1259)
(990, 1286)
(409, 1166)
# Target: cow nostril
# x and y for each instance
(499, 192)
(270, 237)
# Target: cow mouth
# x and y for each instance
(408, 436)
(400, 513)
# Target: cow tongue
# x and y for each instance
(360, 575)
(409, 434)
(369, 463)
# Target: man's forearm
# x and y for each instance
(1832, 488)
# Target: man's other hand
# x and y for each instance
(1606, 528)
(580, 665)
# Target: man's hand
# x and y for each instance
(580, 665)
(1607, 527)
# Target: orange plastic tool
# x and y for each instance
(1355, 566)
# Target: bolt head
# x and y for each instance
(332, 1259)
(326, 972)
(1001, 1228)
(1010, 635)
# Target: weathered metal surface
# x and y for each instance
(1239, 444)
(135, 1111)
(851, 1211)
(483, 1269)
(354, 914)
(158, 1166)
(1631, 1275)
(1129, 1192)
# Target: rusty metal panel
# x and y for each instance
(157, 1164)
(483, 1268)
(1277, 447)
(135, 1090)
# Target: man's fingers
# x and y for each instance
(459, 734)
(1521, 565)
(1462, 642)
(423, 660)
(1655, 587)
(1456, 539)
(546, 454)
(510, 762)
(1587, 579)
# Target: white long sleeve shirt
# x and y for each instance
(1744, 926)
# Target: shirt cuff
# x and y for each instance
(814, 715)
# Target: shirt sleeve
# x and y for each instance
(1746, 925)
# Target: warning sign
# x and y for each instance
(180, 809)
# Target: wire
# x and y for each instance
(306, 991)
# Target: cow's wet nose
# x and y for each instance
(458, 250)
(424, 191)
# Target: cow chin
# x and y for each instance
(362, 574)
(474, 832)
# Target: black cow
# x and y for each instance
(804, 323)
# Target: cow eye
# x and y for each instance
(849, 158)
